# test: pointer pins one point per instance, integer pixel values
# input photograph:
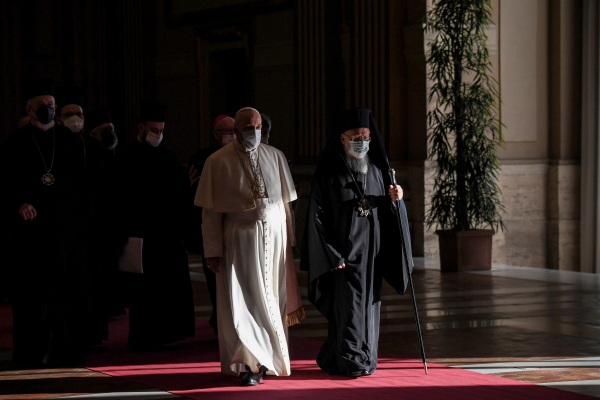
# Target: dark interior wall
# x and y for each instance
(207, 58)
(108, 51)
(273, 76)
(299, 61)
(234, 55)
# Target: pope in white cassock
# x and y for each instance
(245, 190)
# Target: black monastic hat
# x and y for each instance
(69, 94)
(39, 87)
(97, 118)
(153, 111)
(351, 119)
(355, 118)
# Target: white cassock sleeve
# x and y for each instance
(212, 233)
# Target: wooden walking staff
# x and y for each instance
(410, 282)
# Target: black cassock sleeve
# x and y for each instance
(319, 252)
(396, 250)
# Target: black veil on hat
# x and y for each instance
(69, 94)
(97, 118)
(153, 111)
(39, 87)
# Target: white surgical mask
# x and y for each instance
(74, 123)
(226, 139)
(251, 139)
(358, 149)
(153, 139)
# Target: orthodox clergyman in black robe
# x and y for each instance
(89, 154)
(102, 137)
(47, 255)
(154, 205)
(351, 241)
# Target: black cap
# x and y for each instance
(69, 94)
(153, 111)
(39, 87)
(355, 118)
(97, 118)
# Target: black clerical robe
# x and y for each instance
(197, 160)
(335, 234)
(49, 262)
(152, 190)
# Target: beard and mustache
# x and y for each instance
(358, 165)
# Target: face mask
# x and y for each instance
(358, 149)
(226, 139)
(74, 123)
(251, 139)
(109, 139)
(44, 114)
(153, 139)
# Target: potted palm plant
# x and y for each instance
(464, 134)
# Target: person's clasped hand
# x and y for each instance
(396, 193)
(28, 212)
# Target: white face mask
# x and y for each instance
(358, 149)
(251, 139)
(74, 123)
(226, 139)
(153, 139)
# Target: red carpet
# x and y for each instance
(192, 369)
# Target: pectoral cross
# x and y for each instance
(364, 208)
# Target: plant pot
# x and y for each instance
(465, 250)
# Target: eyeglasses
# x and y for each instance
(69, 115)
(364, 138)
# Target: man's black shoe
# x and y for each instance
(252, 378)
(356, 374)
(263, 370)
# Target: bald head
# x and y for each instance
(246, 120)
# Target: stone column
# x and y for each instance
(368, 60)
(310, 89)
(590, 139)
(564, 137)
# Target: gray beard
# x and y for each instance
(358, 165)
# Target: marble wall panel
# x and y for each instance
(569, 245)
(564, 182)
(525, 244)
(524, 190)
(524, 195)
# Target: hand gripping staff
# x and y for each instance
(410, 282)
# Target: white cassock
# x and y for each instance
(246, 220)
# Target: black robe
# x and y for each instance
(370, 247)
(153, 201)
(198, 159)
(194, 241)
(49, 262)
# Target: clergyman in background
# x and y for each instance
(46, 258)
(152, 189)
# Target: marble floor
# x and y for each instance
(527, 324)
